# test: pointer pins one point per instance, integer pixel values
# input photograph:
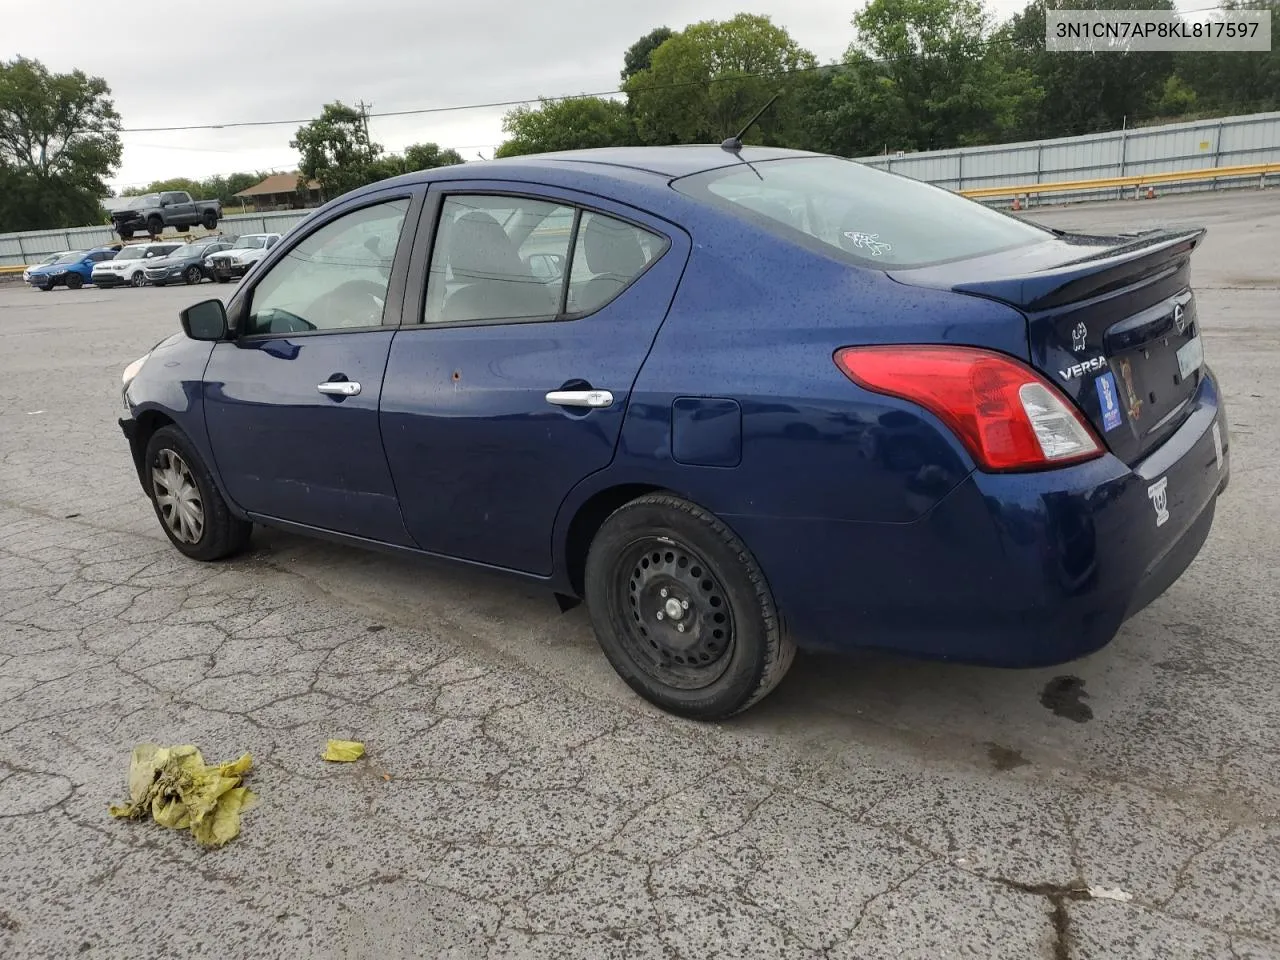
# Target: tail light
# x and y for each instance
(1007, 415)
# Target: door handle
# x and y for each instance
(580, 398)
(339, 388)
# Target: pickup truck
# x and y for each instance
(152, 212)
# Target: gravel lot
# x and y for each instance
(871, 808)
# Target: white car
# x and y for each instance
(127, 265)
(246, 251)
(26, 274)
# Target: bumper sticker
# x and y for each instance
(1109, 398)
(1159, 494)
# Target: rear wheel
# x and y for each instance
(210, 220)
(74, 281)
(191, 511)
(682, 610)
(193, 274)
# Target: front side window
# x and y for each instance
(873, 218)
(334, 279)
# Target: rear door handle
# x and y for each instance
(339, 388)
(580, 398)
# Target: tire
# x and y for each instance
(210, 220)
(184, 228)
(124, 233)
(221, 279)
(158, 283)
(74, 281)
(734, 651)
(193, 274)
(138, 279)
(155, 226)
(210, 532)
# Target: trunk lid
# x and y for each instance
(1111, 321)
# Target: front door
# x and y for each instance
(512, 384)
(292, 403)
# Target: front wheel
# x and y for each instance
(137, 279)
(74, 281)
(221, 278)
(191, 511)
(155, 226)
(193, 274)
(682, 610)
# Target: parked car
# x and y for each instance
(777, 398)
(26, 274)
(152, 212)
(127, 266)
(187, 264)
(235, 262)
(72, 270)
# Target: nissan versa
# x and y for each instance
(738, 399)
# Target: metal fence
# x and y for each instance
(1195, 145)
(17, 249)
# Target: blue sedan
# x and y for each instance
(737, 399)
(71, 270)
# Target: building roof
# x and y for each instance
(277, 183)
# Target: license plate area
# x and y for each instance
(1190, 357)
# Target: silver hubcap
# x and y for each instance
(177, 496)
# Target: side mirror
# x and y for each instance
(206, 320)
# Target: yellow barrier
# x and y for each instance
(1137, 181)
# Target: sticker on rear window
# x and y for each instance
(1109, 399)
(868, 242)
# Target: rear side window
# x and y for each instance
(873, 218)
(607, 256)
(508, 258)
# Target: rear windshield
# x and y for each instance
(875, 218)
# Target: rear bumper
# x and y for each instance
(1008, 570)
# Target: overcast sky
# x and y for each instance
(218, 62)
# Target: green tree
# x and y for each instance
(336, 150)
(59, 141)
(1085, 92)
(638, 55)
(1235, 82)
(428, 156)
(706, 81)
(574, 124)
(939, 60)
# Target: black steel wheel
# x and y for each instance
(682, 610)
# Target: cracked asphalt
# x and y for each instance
(518, 801)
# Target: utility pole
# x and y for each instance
(364, 115)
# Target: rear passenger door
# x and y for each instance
(528, 317)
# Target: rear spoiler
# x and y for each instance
(1121, 262)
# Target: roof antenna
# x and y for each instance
(734, 143)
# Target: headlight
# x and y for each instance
(132, 370)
